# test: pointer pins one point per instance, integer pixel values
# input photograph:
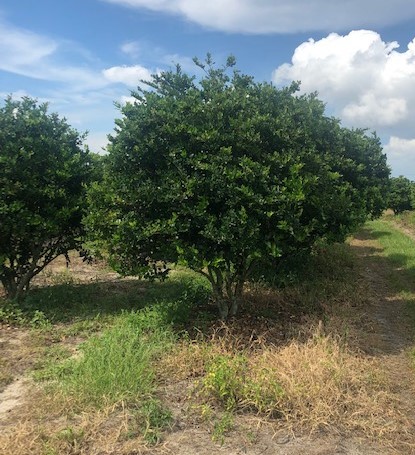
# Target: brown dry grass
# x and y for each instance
(321, 384)
(45, 428)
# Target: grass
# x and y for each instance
(117, 365)
(399, 251)
(6, 375)
(319, 384)
(405, 219)
(111, 349)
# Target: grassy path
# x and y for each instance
(387, 257)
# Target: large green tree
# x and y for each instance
(43, 173)
(224, 173)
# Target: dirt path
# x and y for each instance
(391, 337)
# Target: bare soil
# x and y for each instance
(386, 334)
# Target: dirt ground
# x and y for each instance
(389, 338)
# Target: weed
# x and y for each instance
(222, 426)
(154, 419)
(51, 364)
(70, 436)
(40, 321)
(11, 313)
(116, 365)
(225, 378)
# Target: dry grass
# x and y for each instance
(312, 385)
(47, 429)
(6, 374)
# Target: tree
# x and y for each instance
(224, 173)
(43, 173)
(401, 194)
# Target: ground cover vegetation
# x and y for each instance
(123, 364)
(227, 176)
(44, 171)
(399, 248)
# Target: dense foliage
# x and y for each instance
(43, 172)
(401, 195)
(223, 173)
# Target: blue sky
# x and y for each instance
(83, 55)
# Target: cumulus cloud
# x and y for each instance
(365, 81)
(281, 16)
(128, 75)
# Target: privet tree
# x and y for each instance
(43, 173)
(224, 173)
(401, 195)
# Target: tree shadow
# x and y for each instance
(69, 302)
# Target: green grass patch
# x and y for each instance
(399, 251)
(117, 368)
(117, 364)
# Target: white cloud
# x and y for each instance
(363, 79)
(20, 48)
(282, 16)
(16, 95)
(401, 155)
(128, 75)
(40, 57)
(97, 141)
(371, 110)
(128, 99)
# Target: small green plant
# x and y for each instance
(71, 436)
(263, 392)
(11, 313)
(225, 379)
(222, 426)
(62, 278)
(155, 418)
(40, 321)
(235, 383)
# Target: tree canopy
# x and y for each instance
(43, 173)
(401, 195)
(223, 173)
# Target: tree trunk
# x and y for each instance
(10, 286)
(223, 309)
(227, 289)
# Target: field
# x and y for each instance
(93, 363)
